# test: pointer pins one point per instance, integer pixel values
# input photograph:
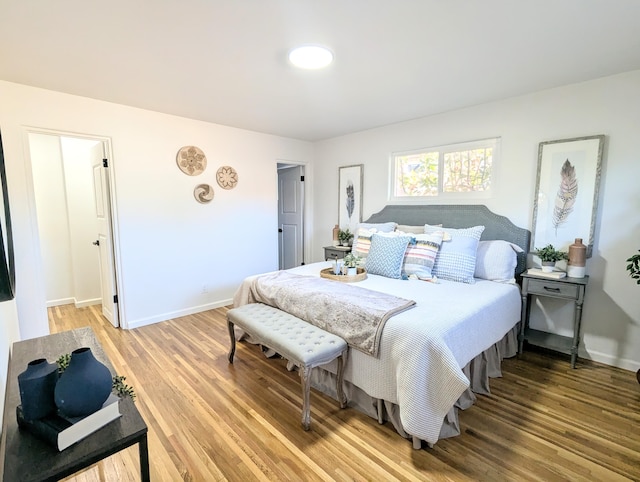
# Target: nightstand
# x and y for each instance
(335, 252)
(572, 289)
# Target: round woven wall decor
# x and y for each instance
(191, 160)
(203, 193)
(227, 177)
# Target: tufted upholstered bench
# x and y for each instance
(302, 343)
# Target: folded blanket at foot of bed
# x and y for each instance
(355, 314)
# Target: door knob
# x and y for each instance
(96, 242)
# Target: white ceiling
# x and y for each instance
(225, 61)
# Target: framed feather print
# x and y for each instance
(567, 190)
(350, 197)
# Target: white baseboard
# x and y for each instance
(73, 301)
(177, 314)
(613, 361)
(82, 304)
(60, 302)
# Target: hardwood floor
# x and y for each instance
(209, 420)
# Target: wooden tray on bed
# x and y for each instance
(328, 273)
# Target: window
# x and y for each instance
(460, 170)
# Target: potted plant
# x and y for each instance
(549, 256)
(351, 263)
(345, 237)
(634, 269)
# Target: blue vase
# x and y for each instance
(84, 386)
(37, 384)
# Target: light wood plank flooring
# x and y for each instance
(209, 420)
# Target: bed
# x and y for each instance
(433, 358)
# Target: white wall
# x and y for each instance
(610, 106)
(171, 247)
(53, 222)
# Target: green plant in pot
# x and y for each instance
(345, 236)
(549, 256)
(634, 267)
(634, 271)
(351, 263)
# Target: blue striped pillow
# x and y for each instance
(421, 255)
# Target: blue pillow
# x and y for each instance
(386, 255)
(456, 260)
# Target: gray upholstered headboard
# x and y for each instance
(460, 216)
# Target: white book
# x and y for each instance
(84, 426)
(555, 274)
(62, 431)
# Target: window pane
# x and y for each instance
(417, 174)
(467, 171)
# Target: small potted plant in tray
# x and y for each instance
(345, 236)
(351, 263)
(549, 256)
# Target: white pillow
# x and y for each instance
(456, 260)
(497, 260)
(380, 227)
(406, 228)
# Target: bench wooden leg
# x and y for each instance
(305, 380)
(339, 389)
(232, 336)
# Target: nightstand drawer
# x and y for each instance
(335, 252)
(552, 288)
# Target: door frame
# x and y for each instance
(307, 209)
(108, 153)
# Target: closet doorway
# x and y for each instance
(73, 205)
(291, 194)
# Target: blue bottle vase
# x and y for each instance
(84, 386)
(37, 384)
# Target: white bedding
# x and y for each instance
(422, 350)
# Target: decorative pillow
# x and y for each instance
(421, 255)
(380, 227)
(405, 228)
(497, 260)
(362, 242)
(456, 260)
(387, 254)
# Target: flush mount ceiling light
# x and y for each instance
(310, 57)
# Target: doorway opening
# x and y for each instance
(291, 215)
(71, 184)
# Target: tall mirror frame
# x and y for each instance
(7, 267)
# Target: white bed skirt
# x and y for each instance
(479, 370)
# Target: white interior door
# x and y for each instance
(291, 216)
(104, 239)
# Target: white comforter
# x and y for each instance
(423, 350)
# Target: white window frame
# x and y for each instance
(493, 142)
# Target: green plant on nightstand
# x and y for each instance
(351, 260)
(549, 256)
(345, 236)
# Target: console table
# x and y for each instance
(25, 458)
(572, 289)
